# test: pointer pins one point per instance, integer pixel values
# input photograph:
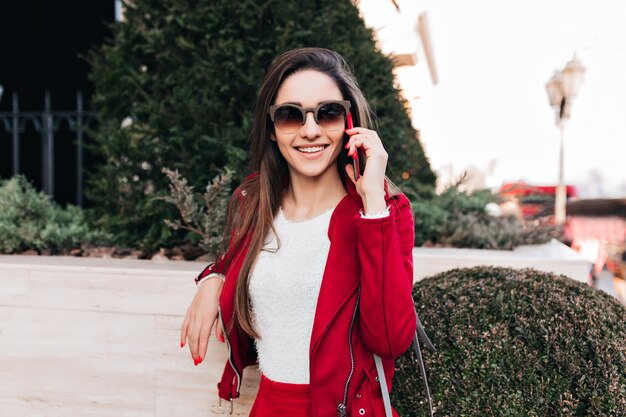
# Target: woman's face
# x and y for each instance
(312, 150)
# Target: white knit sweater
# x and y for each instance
(284, 287)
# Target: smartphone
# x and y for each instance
(355, 158)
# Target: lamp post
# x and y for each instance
(562, 87)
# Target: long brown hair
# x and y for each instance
(256, 201)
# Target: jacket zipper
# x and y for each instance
(230, 352)
(342, 408)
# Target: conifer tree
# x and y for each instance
(175, 86)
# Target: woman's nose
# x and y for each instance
(310, 129)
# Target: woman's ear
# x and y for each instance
(273, 136)
(350, 172)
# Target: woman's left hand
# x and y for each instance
(372, 182)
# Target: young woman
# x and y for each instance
(317, 271)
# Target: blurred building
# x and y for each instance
(595, 227)
(534, 200)
(402, 31)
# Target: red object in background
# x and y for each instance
(520, 189)
(530, 210)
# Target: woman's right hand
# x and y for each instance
(200, 317)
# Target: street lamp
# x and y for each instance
(562, 87)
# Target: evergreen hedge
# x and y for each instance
(31, 220)
(516, 343)
(459, 219)
(175, 87)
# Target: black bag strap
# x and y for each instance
(419, 331)
(416, 344)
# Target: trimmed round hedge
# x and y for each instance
(515, 342)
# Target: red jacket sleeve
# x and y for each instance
(387, 313)
(213, 267)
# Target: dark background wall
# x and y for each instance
(40, 41)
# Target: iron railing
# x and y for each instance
(47, 122)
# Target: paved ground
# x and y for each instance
(93, 337)
(96, 337)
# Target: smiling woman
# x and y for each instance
(310, 148)
(310, 300)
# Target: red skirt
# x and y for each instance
(281, 399)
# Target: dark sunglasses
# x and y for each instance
(289, 118)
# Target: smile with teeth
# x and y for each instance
(312, 149)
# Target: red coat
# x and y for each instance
(373, 254)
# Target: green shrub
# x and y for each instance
(31, 220)
(458, 219)
(516, 343)
(182, 76)
(204, 221)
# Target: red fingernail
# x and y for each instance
(220, 338)
(182, 344)
(355, 156)
(347, 145)
(199, 359)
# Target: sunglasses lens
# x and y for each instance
(288, 119)
(331, 116)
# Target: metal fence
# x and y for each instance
(47, 122)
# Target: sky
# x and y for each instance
(490, 106)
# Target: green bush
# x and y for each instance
(31, 220)
(516, 343)
(203, 216)
(181, 76)
(458, 219)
